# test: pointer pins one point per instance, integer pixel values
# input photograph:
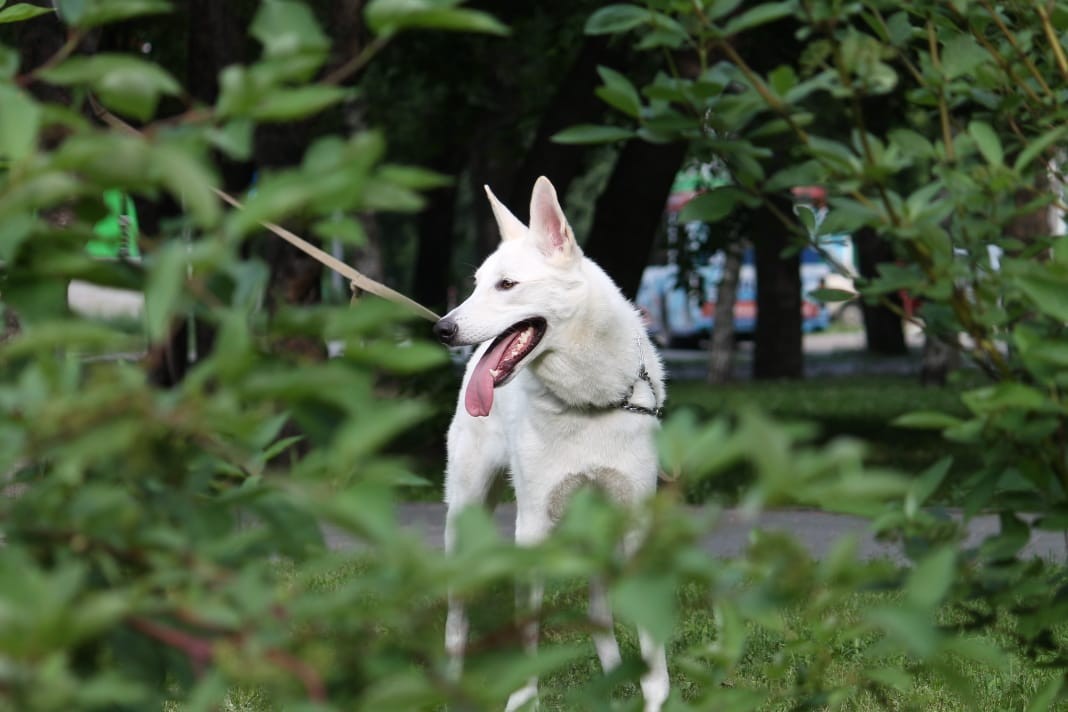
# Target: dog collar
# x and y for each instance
(625, 404)
(643, 375)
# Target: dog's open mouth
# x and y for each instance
(499, 362)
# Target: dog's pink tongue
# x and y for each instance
(479, 396)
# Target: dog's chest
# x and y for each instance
(548, 439)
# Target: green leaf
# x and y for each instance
(163, 291)
(926, 485)
(589, 133)
(760, 15)
(619, 92)
(22, 11)
(291, 35)
(783, 79)
(911, 143)
(9, 62)
(798, 174)
(233, 138)
(20, 121)
(988, 142)
(962, 55)
(722, 8)
(712, 206)
(1043, 284)
(1045, 697)
(911, 629)
(931, 579)
(282, 105)
(900, 29)
(345, 229)
(385, 17)
(1007, 395)
(125, 84)
(1037, 147)
(614, 19)
(926, 420)
(92, 13)
(413, 177)
(189, 181)
(647, 600)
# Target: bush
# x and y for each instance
(164, 546)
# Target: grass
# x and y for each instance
(772, 668)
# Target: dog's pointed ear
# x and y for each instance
(548, 224)
(511, 228)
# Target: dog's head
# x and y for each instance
(523, 291)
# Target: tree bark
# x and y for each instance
(433, 258)
(574, 103)
(631, 208)
(778, 349)
(883, 327)
(721, 345)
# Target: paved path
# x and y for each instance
(816, 530)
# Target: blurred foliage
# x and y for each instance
(177, 547)
(940, 126)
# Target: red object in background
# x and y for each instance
(676, 201)
(909, 304)
(817, 194)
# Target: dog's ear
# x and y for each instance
(548, 224)
(511, 228)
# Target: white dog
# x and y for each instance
(565, 389)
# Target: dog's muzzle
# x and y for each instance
(445, 331)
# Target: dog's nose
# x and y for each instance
(445, 330)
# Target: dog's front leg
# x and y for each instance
(655, 683)
(604, 637)
(530, 529)
(456, 624)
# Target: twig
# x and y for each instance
(1054, 42)
(943, 107)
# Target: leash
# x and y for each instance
(357, 280)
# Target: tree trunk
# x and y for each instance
(574, 103)
(433, 260)
(721, 346)
(630, 210)
(777, 352)
(883, 327)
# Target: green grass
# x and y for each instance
(771, 667)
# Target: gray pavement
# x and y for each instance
(817, 531)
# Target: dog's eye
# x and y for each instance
(505, 284)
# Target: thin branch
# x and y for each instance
(1054, 42)
(943, 108)
(74, 38)
(357, 63)
(992, 11)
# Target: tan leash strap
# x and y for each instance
(357, 279)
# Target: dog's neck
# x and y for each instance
(607, 372)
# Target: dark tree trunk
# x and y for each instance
(883, 327)
(37, 41)
(631, 208)
(433, 260)
(574, 103)
(777, 351)
(721, 346)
